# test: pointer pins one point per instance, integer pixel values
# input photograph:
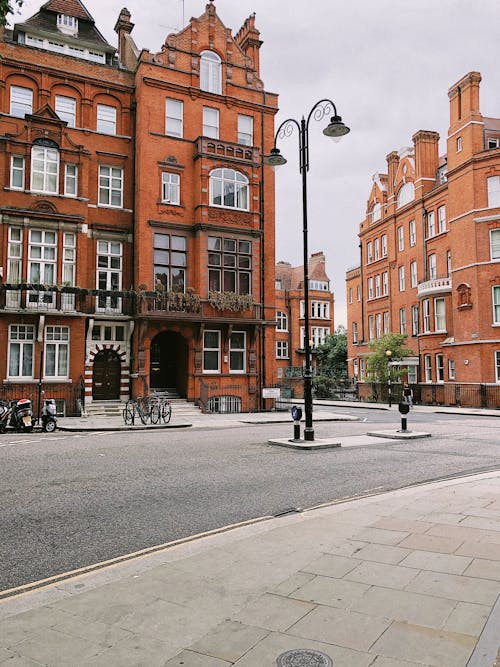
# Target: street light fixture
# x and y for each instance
(335, 129)
(388, 354)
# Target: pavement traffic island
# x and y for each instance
(402, 433)
(303, 657)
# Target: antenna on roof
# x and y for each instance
(176, 28)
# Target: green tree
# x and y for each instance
(332, 354)
(6, 8)
(378, 362)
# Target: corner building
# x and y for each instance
(429, 258)
(137, 218)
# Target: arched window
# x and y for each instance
(210, 72)
(281, 321)
(45, 166)
(229, 188)
(406, 194)
(376, 211)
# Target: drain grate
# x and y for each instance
(303, 657)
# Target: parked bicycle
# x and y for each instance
(149, 409)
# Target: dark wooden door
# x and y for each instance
(106, 376)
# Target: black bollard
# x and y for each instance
(404, 409)
(296, 416)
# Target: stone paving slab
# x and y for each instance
(426, 645)
(351, 580)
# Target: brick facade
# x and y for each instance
(430, 251)
(289, 352)
(148, 257)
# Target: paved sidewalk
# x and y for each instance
(405, 578)
(325, 411)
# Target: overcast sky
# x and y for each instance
(387, 65)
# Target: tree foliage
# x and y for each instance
(7, 7)
(332, 354)
(378, 367)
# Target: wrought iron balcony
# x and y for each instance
(221, 306)
(439, 285)
(33, 298)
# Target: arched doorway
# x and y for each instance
(106, 376)
(169, 362)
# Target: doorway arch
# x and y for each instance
(106, 376)
(168, 365)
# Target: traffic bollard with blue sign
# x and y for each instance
(296, 416)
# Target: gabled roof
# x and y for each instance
(69, 8)
(43, 24)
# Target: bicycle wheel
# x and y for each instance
(143, 415)
(128, 416)
(155, 414)
(166, 412)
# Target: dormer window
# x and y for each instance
(67, 24)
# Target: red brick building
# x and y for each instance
(290, 326)
(137, 218)
(430, 253)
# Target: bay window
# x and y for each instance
(426, 315)
(229, 265)
(170, 262)
(439, 315)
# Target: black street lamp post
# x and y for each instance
(335, 129)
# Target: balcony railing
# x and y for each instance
(226, 150)
(30, 298)
(440, 285)
(42, 299)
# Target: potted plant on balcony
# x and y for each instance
(230, 301)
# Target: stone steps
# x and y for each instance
(180, 408)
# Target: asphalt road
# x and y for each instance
(71, 500)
